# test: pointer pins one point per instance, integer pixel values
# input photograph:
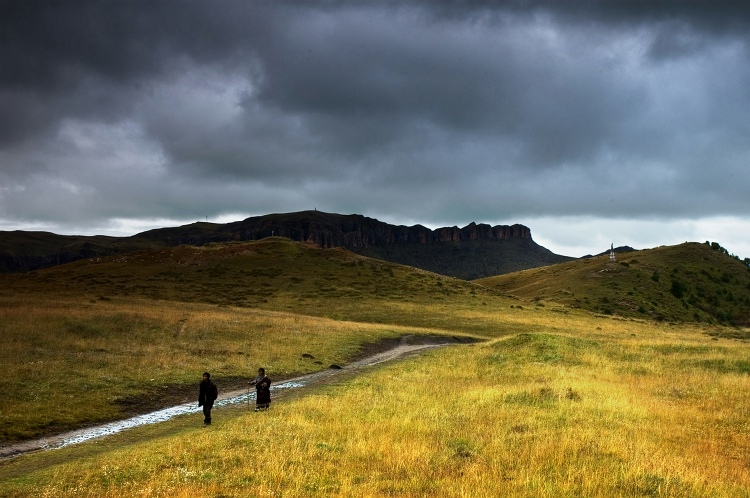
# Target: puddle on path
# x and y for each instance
(155, 417)
(232, 398)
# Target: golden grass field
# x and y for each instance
(554, 402)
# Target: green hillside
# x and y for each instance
(687, 282)
(274, 273)
(23, 251)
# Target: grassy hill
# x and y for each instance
(274, 273)
(162, 312)
(24, 251)
(564, 396)
(688, 282)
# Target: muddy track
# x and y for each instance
(387, 351)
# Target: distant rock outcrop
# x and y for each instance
(356, 231)
(474, 251)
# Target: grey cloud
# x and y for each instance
(431, 110)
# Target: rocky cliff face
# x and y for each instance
(474, 251)
(356, 231)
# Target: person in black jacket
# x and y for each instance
(263, 390)
(206, 397)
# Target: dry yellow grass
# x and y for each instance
(72, 363)
(607, 408)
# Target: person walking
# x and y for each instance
(263, 390)
(206, 397)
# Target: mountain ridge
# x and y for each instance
(474, 251)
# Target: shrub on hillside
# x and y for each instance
(678, 288)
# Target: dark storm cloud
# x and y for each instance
(422, 110)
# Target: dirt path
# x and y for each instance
(406, 346)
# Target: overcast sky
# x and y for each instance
(590, 122)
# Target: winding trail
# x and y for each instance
(405, 347)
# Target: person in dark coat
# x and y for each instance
(206, 397)
(263, 390)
